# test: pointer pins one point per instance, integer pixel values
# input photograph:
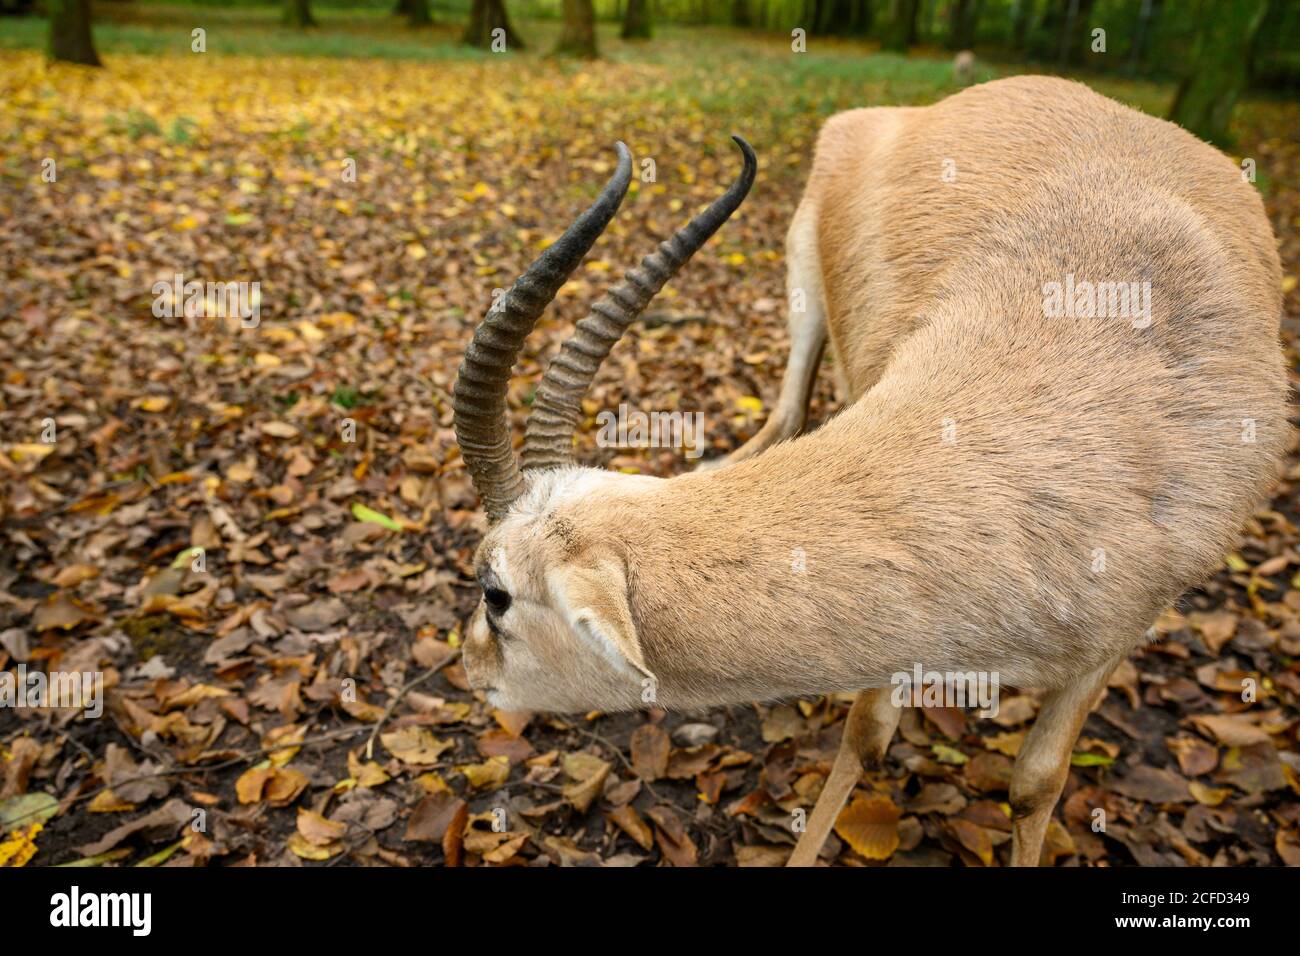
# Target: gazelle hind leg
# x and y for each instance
(867, 731)
(806, 320)
(1043, 763)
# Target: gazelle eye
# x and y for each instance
(498, 601)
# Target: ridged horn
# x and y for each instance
(479, 400)
(548, 436)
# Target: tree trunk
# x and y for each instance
(578, 37)
(417, 12)
(70, 38)
(485, 16)
(1218, 69)
(1022, 13)
(963, 16)
(636, 20)
(297, 13)
(900, 29)
(1136, 49)
(740, 14)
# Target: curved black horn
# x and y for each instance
(548, 438)
(479, 402)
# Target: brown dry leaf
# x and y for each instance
(1152, 785)
(74, 574)
(1253, 769)
(1209, 796)
(1216, 628)
(366, 773)
(453, 840)
(674, 842)
(1007, 744)
(1233, 730)
(415, 746)
(317, 830)
(162, 824)
(1195, 756)
(106, 801)
(1287, 845)
(300, 846)
(251, 784)
(588, 773)
(62, 611)
(513, 722)
(432, 816)
(870, 826)
(489, 775)
(973, 837)
(781, 723)
(629, 821)
(650, 747)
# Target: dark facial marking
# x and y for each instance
(495, 596)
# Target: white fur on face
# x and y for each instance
(550, 661)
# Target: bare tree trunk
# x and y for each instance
(1022, 14)
(963, 17)
(740, 14)
(70, 38)
(578, 37)
(1219, 67)
(636, 20)
(417, 12)
(900, 30)
(485, 17)
(1136, 50)
(297, 13)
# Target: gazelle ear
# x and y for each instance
(593, 599)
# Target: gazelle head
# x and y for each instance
(555, 630)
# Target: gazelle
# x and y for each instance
(1054, 323)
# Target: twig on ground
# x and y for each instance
(392, 705)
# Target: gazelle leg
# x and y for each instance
(1043, 763)
(807, 324)
(870, 725)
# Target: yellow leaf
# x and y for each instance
(33, 450)
(415, 746)
(299, 846)
(20, 847)
(492, 773)
(870, 826)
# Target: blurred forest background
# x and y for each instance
(1216, 48)
(373, 171)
